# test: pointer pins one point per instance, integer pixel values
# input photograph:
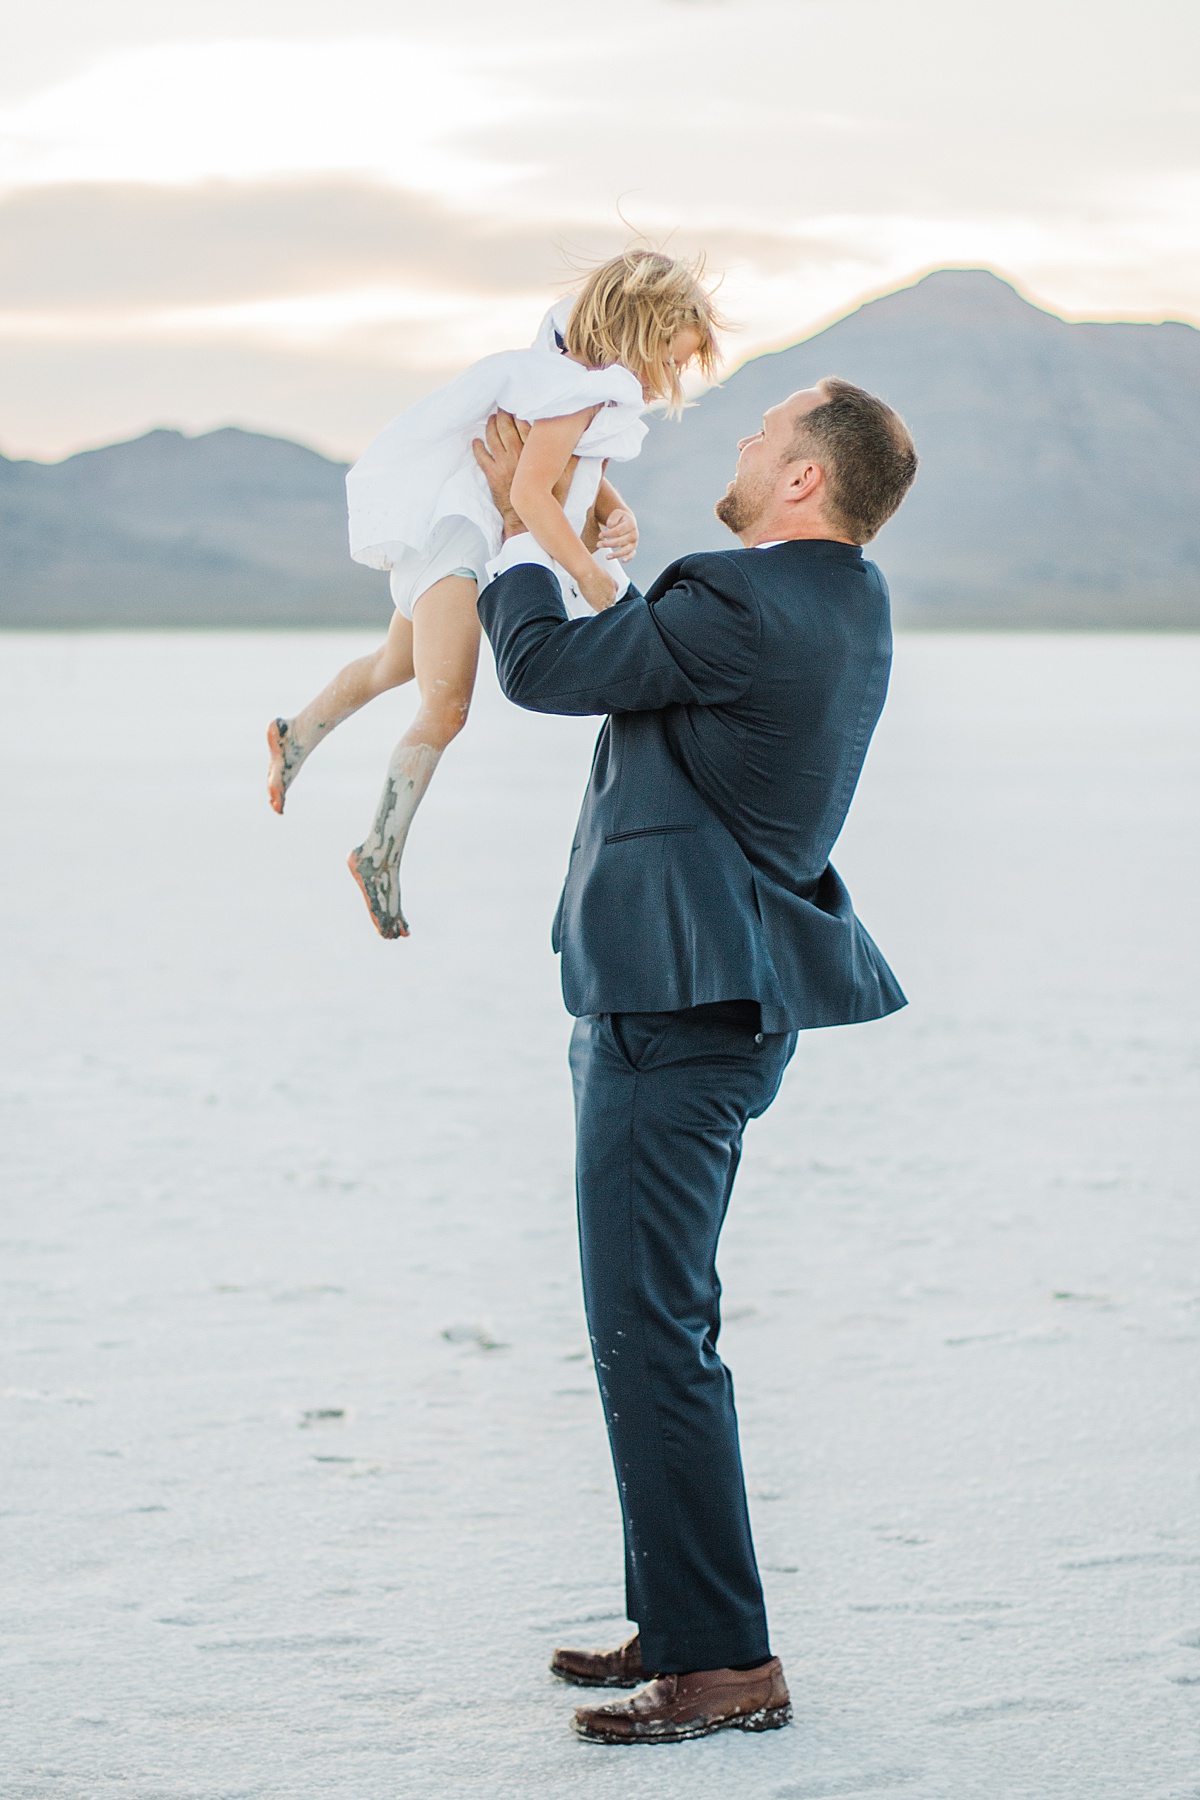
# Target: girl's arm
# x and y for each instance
(544, 456)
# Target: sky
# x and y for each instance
(299, 217)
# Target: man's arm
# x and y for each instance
(696, 643)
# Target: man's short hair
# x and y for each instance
(867, 454)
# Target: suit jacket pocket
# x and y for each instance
(643, 831)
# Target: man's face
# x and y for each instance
(762, 460)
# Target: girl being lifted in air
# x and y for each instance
(419, 506)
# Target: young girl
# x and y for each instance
(419, 506)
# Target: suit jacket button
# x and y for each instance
(758, 1037)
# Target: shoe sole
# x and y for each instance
(770, 1718)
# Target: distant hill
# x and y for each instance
(1060, 464)
(1059, 485)
(226, 529)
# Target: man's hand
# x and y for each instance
(619, 535)
(498, 458)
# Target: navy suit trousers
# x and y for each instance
(661, 1102)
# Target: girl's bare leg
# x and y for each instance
(291, 740)
(445, 655)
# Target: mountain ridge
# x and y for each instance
(1060, 461)
(229, 527)
(1059, 484)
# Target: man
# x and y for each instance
(701, 927)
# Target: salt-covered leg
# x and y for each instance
(291, 740)
(445, 656)
(375, 865)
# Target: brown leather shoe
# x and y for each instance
(601, 1668)
(673, 1707)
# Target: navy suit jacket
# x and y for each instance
(741, 695)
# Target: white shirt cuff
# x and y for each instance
(521, 548)
(524, 548)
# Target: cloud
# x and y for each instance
(332, 213)
(312, 306)
(97, 246)
(186, 112)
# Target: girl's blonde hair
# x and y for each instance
(631, 307)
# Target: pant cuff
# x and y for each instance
(663, 1654)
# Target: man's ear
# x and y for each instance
(803, 480)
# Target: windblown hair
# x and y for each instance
(629, 309)
(866, 452)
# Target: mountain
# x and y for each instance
(226, 529)
(1059, 485)
(1060, 464)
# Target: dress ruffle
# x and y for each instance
(421, 469)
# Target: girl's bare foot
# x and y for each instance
(284, 762)
(380, 884)
(375, 865)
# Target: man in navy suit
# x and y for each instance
(701, 927)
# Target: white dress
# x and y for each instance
(419, 504)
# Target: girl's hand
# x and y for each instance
(619, 535)
(598, 589)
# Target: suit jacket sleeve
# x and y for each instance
(693, 640)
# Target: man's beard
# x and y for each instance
(741, 506)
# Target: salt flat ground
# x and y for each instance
(303, 1469)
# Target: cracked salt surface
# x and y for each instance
(298, 1494)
